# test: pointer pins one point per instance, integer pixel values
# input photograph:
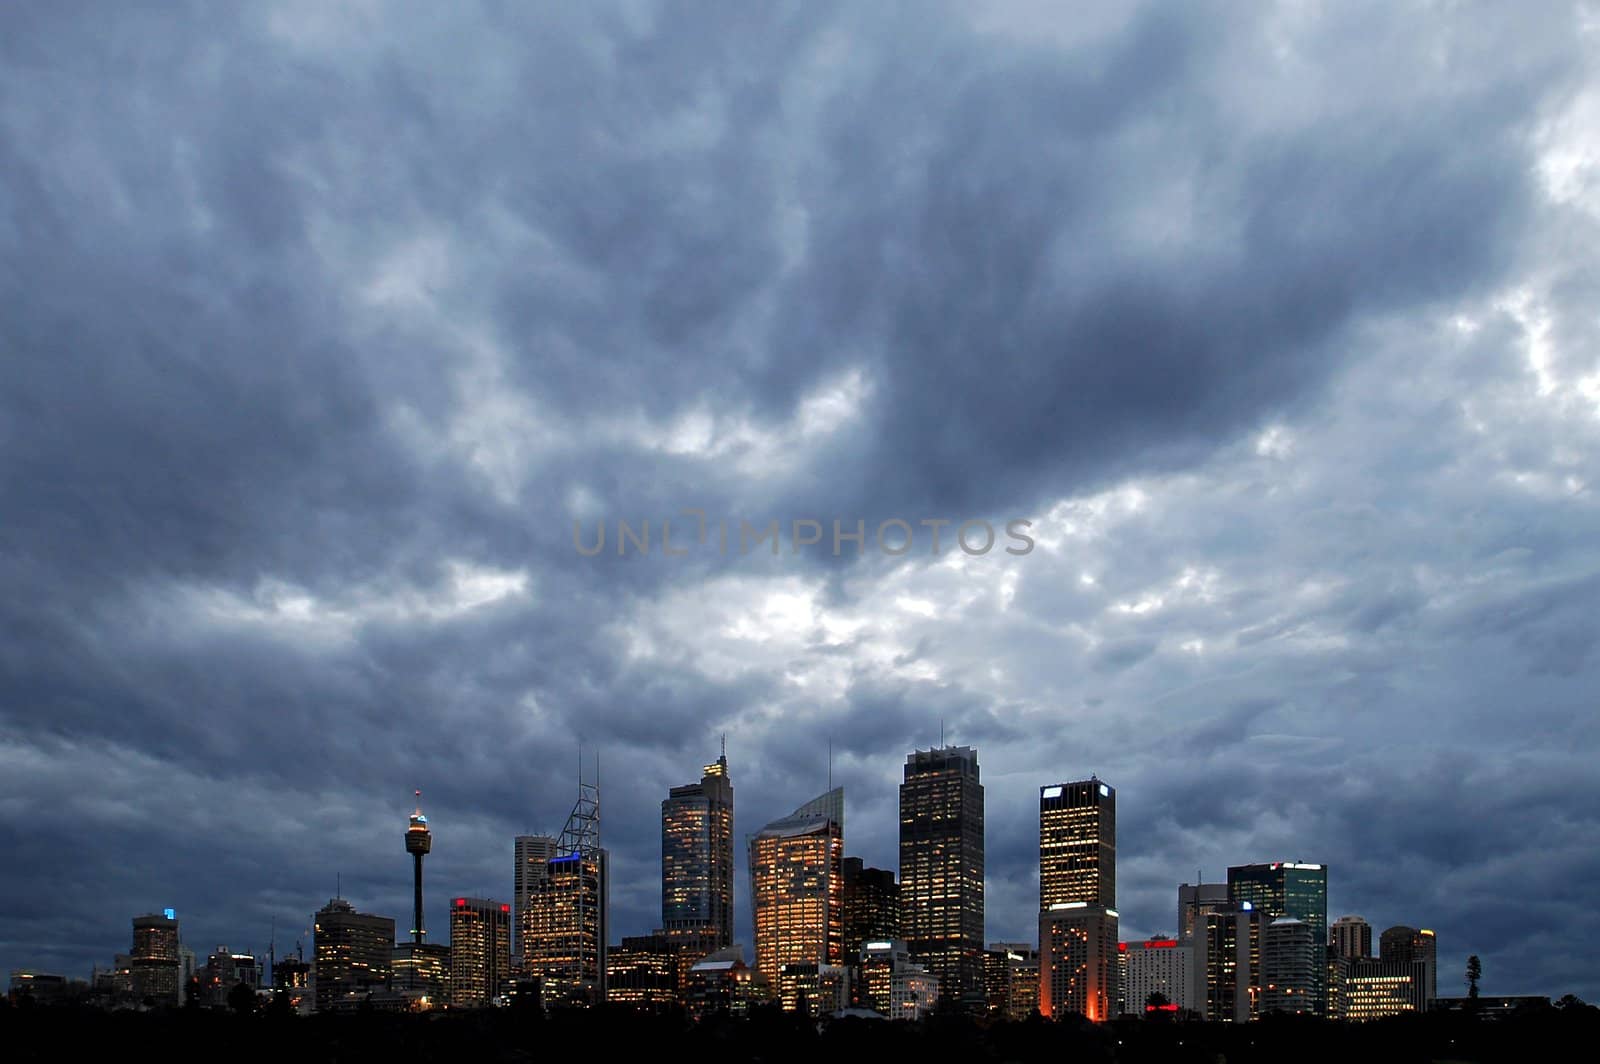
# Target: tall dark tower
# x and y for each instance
(697, 862)
(419, 840)
(941, 869)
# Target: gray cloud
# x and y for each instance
(323, 326)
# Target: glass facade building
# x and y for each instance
(697, 862)
(1285, 888)
(797, 887)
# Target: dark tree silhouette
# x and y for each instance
(242, 999)
(1474, 973)
(279, 1006)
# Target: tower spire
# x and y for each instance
(419, 840)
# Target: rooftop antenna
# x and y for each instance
(941, 733)
(830, 763)
(724, 746)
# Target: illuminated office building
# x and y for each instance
(1350, 937)
(813, 989)
(1011, 979)
(1369, 989)
(646, 971)
(154, 966)
(1156, 966)
(1403, 945)
(422, 973)
(1291, 889)
(723, 984)
(480, 951)
(565, 943)
(531, 859)
(352, 953)
(1078, 844)
(1078, 965)
(697, 862)
(797, 887)
(941, 868)
(1078, 961)
(1227, 959)
(876, 963)
(567, 925)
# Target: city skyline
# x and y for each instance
(327, 325)
(1077, 863)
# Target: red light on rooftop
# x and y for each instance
(1161, 1008)
(1122, 947)
(1162, 943)
(461, 903)
(505, 908)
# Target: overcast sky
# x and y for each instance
(320, 325)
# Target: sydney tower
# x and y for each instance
(418, 842)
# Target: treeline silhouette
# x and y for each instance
(65, 1032)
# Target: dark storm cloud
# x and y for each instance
(322, 325)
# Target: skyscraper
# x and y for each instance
(1290, 963)
(531, 856)
(871, 906)
(419, 840)
(697, 862)
(351, 952)
(568, 907)
(796, 887)
(1077, 899)
(1078, 844)
(1227, 953)
(1194, 902)
(480, 951)
(941, 868)
(1294, 889)
(1405, 945)
(1350, 937)
(154, 963)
